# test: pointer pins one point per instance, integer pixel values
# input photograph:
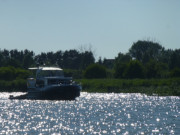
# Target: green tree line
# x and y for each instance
(70, 59)
(145, 59)
(13, 79)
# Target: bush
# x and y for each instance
(22, 74)
(95, 71)
(11, 73)
(15, 85)
(175, 72)
(7, 73)
(119, 70)
(76, 74)
(13, 79)
(134, 70)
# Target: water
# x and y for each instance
(91, 114)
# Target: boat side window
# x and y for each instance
(58, 73)
(43, 73)
(55, 73)
(49, 73)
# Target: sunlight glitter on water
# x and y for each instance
(91, 113)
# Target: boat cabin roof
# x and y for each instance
(45, 68)
(50, 68)
(47, 71)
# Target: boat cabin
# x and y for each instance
(49, 72)
(47, 76)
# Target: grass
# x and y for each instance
(13, 85)
(163, 87)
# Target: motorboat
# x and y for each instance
(51, 84)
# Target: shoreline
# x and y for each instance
(161, 87)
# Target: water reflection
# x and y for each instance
(91, 114)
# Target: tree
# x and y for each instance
(28, 61)
(17, 55)
(175, 72)
(119, 70)
(166, 56)
(123, 58)
(156, 69)
(134, 70)
(87, 58)
(146, 50)
(71, 59)
(51, 59)
(108, 63)
(41, 59)
(120, 66)
(175, 59)
(59, 58)
(1, 59)
(7, 73)
(95, 71)
(14, 63)
(100, 62)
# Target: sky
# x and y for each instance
(107, 26)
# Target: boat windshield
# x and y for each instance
(50, 73)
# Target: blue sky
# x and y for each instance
(109, 26)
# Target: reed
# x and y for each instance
(163, 87)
